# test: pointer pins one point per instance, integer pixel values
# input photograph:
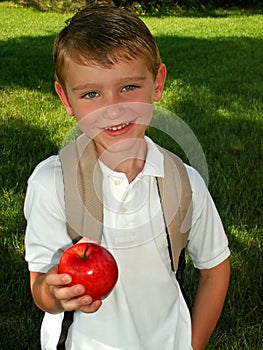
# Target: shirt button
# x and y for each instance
(123, 210)
(117, 182)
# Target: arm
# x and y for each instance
(51, 294)
(45, 215)
(209, 301)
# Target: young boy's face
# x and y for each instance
(102, 98)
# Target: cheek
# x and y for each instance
(85, 124)
(88, 122)
(81, 111)
(147, 96)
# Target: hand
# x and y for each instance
(51, 293)
(69, 297)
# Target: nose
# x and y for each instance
(113, 111)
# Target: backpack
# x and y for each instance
(84, 210)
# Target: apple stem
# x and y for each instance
(86, 255)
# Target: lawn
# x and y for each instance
(215, 85)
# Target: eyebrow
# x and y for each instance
(124, 80)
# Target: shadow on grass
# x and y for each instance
(220, 64)
(22, 148)
(26, 62)
(240, 325)
(241, 321)
(222, 76)
(19, 318)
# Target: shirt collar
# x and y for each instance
(153, 165)
(154, 160)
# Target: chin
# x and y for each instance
(130, 146)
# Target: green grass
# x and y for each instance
(214, 84)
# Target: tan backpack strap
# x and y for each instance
(83, 189)
(176, 202)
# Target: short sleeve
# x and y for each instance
(208, 243)
(46, 234)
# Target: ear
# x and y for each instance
(63, 97)
(159, 82)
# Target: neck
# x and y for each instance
(130, 161)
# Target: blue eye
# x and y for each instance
(90, 95)
(129, 88)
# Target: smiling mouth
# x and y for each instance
(117, 127)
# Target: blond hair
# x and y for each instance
(104, 35)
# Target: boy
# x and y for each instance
(106, 63)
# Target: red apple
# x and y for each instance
(92, 266)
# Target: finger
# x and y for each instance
(56, 279)
(68, 293)
(91, 308)
(81, 303)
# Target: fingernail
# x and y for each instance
(79, 290)
(86, 300)
(66, 279)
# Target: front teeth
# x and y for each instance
(118, 127)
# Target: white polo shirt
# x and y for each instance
(146, 310)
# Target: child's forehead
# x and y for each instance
(92, 63)
(109, 61)
(79, 75)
